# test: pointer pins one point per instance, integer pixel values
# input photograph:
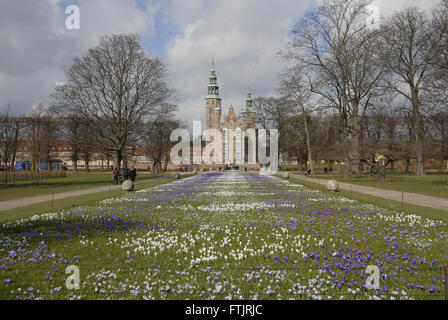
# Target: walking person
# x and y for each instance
(133, 174)
(125, 174)
(116, 173)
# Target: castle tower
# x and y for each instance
(249, 112)
(213, 102)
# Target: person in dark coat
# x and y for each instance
(125, 173)
(132, 174)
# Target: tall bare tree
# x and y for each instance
(295, 85)
(11, 127)
(115, 85)
(41, 131)
(439, 82)
(335, 43)
(275, 112)
(158, 131)
(409, 47)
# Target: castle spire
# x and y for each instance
(249, 101)
(213, 88)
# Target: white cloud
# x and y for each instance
(35, 46)
(387, 7)
(244, 36)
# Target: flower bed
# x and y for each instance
(224, 236)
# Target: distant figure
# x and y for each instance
(308, 172)
(133, 174)
(116, 174)
(125, 174)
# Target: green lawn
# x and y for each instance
(80, 180)
(384, 203)
(68, 203)
(238, 236)
(432, 184)
(316, 166)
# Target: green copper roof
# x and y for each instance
(213, 88)
(249, 96)
(221, 120)
(249, 106)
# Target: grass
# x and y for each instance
(316, 166)
(224, 236)
(72, 182)
(72, 202)
(432, 184)
(424, 212)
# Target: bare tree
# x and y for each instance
(438, 84)
(72, 131)
(115, 85)
(10, 130)
(158, 132)
(335, 43)
(274, 113)
(380, 145)
(294, 85)
(439, 124)
(41, 131)
(409, 48)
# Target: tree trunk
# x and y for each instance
(75, 159)
(14, 149)
(117, 159)
(420, 170)
(442, 134)
(381, 174)
(355, 142)
(307, 135)
(155, 166)
(347, 169)
(33, 146)
(166, 162)
(330, 165)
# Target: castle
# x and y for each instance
(216, 119)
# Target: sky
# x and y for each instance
(244, 36)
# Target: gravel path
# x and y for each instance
(407, 197)
(16, 203)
